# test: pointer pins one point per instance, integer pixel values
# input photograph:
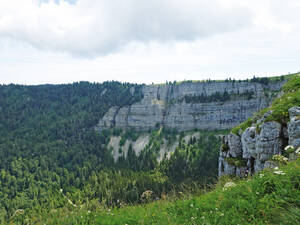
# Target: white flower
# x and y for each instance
(261, 175)
(279, 172)
(228, 185)
(298, 151)
(288, 147)
(276, 168)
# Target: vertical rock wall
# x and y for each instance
(165, 105)
(250, 152)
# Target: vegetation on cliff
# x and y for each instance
(56, 169)
(279, 108)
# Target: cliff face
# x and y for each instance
(252, 150)
(202, 105)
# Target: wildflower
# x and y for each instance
(191, 205)
(228, 185)
(257, 193)
(289, 148)
(261, 175)
(279, 158)
(222, 214)
(279, 172)
(298, 151)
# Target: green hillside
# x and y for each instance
(270, 197)
(56, 169)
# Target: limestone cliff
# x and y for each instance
(189, 105)
(252, 150)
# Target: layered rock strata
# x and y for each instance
(166, 105)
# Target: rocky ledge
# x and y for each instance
(254, 149)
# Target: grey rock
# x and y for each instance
(258, 165)
(233, 141)
(264, 117)
(229, 169)
(270, 164)
(268, 142)
(285, 132)
(165, 105)
(221, 166)
(294, 127)
(241, 171)
(294, 111)
(248, 143)
(259, 145)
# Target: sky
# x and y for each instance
(141, 41)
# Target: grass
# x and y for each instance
(279, 107)
(265, 198)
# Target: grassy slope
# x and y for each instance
(280, 106)
(266, 198)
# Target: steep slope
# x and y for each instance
(271, 197)
(252, 146)
(189, 105)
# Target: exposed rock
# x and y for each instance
(166, 105)
(233, 141)
(140, 144)
(241, 171)
(294, 127)
(258, 165)
(264, 117)
(268, 142)
(261, 144)
(271, 164)
(248, 143)
(229, 169)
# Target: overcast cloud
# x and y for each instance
(93, 27)
(144, 41)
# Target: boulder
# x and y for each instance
(268, 141)
(234, 144)
(248, 143)
(294, 127)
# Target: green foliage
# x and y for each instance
(243, 126)
(217, 97)
(280, 106)
(238, 162)
(48, 142)
(224, 147)
(266, 198)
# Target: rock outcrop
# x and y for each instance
(251, 151)
(213, 105)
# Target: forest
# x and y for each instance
(51, 156)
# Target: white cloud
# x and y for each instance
(147, 41)
(99, 27)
